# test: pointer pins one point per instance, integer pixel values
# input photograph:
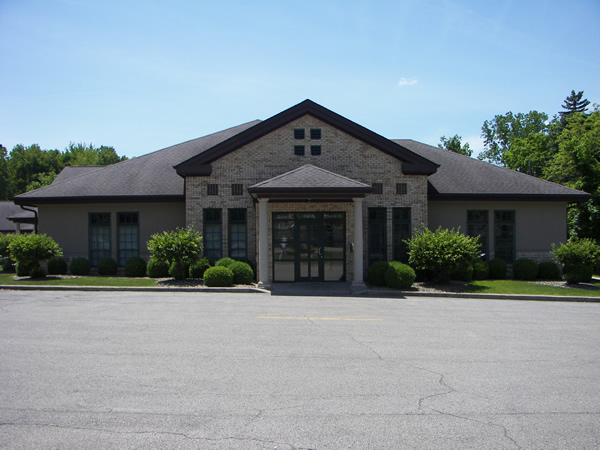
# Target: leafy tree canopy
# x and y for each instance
(455, 145)
(574, 103)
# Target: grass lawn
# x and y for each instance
(527, 288)
(7, 279)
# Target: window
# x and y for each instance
(504, 235)
(315, 150)
(299, 150)
(477, 225)
(401, 188)
(237, 189)
(299, 133)
(315, 133)
(377, 236)
(400, 232)
(377, 188)
(238, 233)
(213, 234)
(128, 236)
(99, 235)
(212, 189)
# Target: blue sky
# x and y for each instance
(144, 75)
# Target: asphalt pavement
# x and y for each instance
(259, 371)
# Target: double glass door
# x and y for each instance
(309, 246)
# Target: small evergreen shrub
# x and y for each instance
(399, 276)
(107, 267)
(578, 273)
(158, 268)
(218, 276)
(8, 266)
(497, 269)
(38, 272)
(80, 266)
(481, 269)
(57, 266)
(464, 272)
(525, 269)
(135, 267)
(376, 273)
(179, 270)
(224, 262)
(242, 273)
(548, 271)
(198, 267)
(24, 269)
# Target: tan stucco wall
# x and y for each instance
(68, 224)
(273, 155)
(538, 224)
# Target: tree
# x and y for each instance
(82, 154)
(574, 104)
(454, 144)
(530, 155)
(4, 178)
(500, 133)
(26, 163)
(179, 249)
(29, 250)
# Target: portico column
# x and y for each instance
(263, 242)
(358, 241)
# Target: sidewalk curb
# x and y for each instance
(248, 290)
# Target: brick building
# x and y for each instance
(306, 194)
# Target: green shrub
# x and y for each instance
(224, 262)
(5, 240)
(135, 267)
(218, 276)
(24, 268)
(578, 273)
(107, 267)
(57, 266)
(8, 265)
(497, 269)
(481, 269)
(38, 272)
(376, 273)
(183, 246)
(525, 269)
(242, 272)
(179, 270)
(399, 276)
(464, 272)
(198, 267)
(80, 266)
(548, 271)
(578, 258)
(32, 249)
(158, 268)
(442, 252)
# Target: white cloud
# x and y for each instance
(407, 82)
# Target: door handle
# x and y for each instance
(321, 252)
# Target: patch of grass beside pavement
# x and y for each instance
(8, 279)
(513, 287)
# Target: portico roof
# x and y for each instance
(310, 182)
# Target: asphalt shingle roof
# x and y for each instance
(460, 176)
(10, 210)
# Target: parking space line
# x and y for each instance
(361, 319)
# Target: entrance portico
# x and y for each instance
(310, 227)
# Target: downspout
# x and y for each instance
(35, 213)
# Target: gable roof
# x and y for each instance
(413, 164)
(463, 178)
(310, 182)
(147, 178)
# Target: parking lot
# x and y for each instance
(255, 371)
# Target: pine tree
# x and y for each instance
(574, 103)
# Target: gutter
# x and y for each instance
(35, 214)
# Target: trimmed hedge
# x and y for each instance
(158, 268)
(497, 269)
(38, 272)
(525, 269)
(224, 262)
(464, 272)
(107, 267)
(481, 269)
(57, 266)
(80, 266)
(548, 271)
(218, 276)
(23, 269)
(197, 268)
(179, 270)
(135, 267)
(242, 273)
(376, 273)
(578, 273)
(399, 276)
